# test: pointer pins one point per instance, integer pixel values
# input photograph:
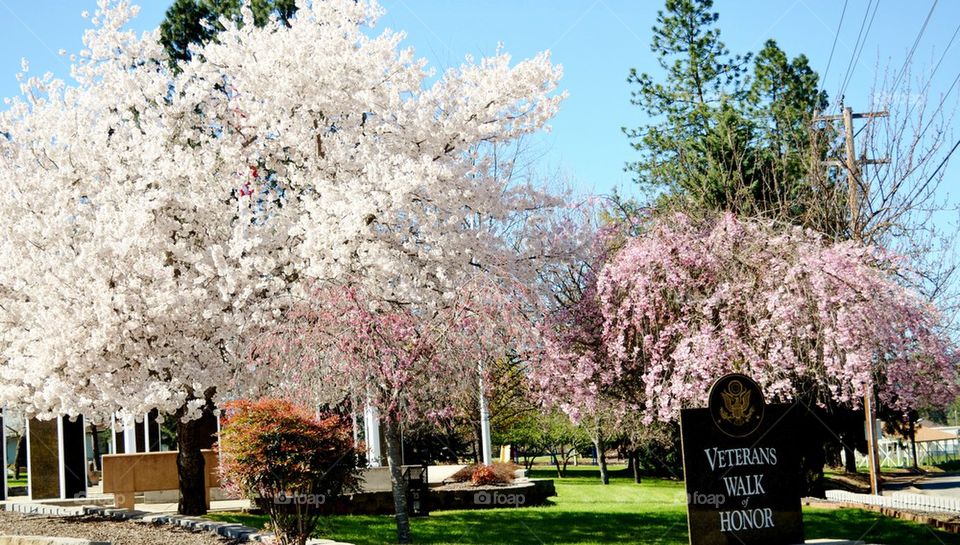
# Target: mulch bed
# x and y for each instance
(117, 532)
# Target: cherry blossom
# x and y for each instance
(687, 301)
(158, 221)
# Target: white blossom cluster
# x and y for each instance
(154, 220)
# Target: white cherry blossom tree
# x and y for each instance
(156, 220)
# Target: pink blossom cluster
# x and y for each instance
(687, 301)
(411, 363)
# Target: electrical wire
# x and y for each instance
(939, 106)
(942, 163)
(933, 72)
(913, 49)
(836, 37)
(859, 45)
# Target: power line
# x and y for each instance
(913, 49)
(856, 45)
(836, 37)
(933, 72)
(942, 163)
(906, 64)
(859, 45)
(939, 106)
(946, 50)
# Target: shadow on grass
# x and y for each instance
(872, 528)
(525, 526)
(507, 526)
(588, 513)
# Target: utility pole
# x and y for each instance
(854, 187)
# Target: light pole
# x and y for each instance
(486, 444)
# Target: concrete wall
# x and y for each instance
(126, 474)
(377, 479)
(381, 502)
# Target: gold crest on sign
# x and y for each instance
(737, 408)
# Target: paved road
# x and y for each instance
(933, 485)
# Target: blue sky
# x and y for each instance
(597, 42)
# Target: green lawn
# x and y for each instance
(586, 512)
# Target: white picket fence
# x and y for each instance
(900, 500)
(897, 454)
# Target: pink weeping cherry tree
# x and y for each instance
(688, 300)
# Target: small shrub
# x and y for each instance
(480, 475)
(463, 475)
(288, 460)
(484, 475)
(506, 472)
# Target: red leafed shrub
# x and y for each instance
(288, 460)
(484, 475)
(480, 475)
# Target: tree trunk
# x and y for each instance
(813, 461)
(556, 462)
(399, 484)
(96, 446)
(567, 455)
(598, 446)
(849, 457)
(832, 454)
(528, 461)
(190, 468)
(913, 444)
(635, 456)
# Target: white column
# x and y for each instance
(113, 435)
(62, 466)
(129, 435)
(146, 433)
(371, 429)
(484, 422)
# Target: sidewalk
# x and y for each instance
(99, 499)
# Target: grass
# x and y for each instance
(587, 513)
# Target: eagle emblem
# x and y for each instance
(737, 408)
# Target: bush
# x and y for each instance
(479, 474)
(288, 460)
(484, 475)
